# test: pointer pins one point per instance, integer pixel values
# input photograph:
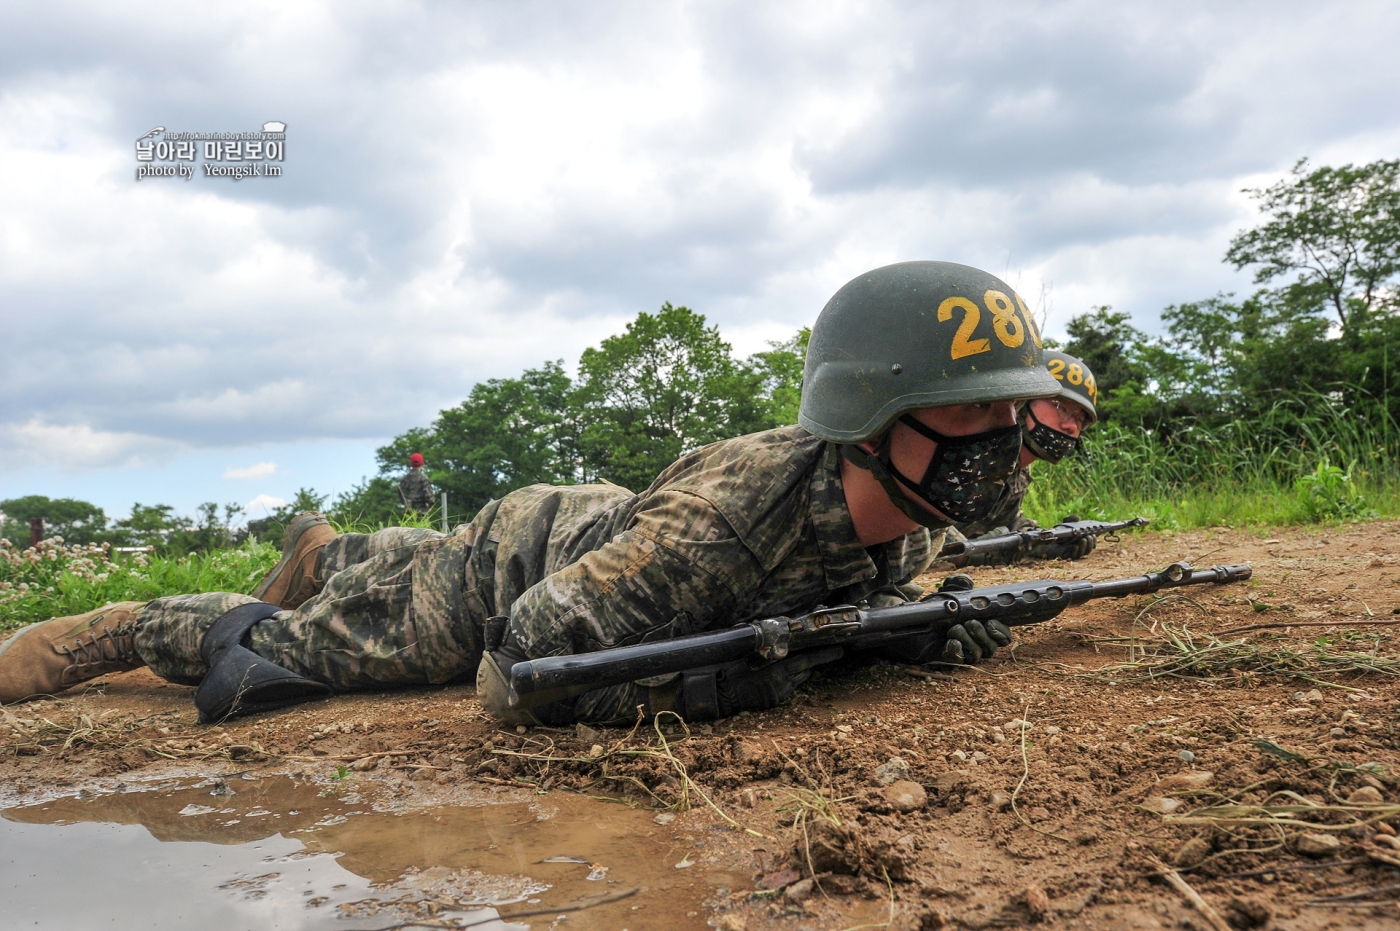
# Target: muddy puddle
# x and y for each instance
(278, 852)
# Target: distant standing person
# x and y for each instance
(415, 491)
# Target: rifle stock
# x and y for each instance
(553, 678)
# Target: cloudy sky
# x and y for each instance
(472, 188)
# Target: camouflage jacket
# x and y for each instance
(741, 529)
(1007, 513)
(415, 491)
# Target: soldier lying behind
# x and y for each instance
(1051, 430)
(908, 422)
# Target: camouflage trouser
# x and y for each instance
(392, 613)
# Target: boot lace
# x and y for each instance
(114, 645)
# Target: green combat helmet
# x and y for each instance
(914, 335)
(1077, 385)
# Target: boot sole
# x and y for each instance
(289, 548)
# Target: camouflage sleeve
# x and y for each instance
(678, 568)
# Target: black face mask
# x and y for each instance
(1046, 442)
(966, 476)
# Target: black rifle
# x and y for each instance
(552, 678)
(1069, 532)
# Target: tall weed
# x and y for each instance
(1278, 469)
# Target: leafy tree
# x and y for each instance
(1335, 231)
(273, 526)
(76, 521)
(373, 502)
(667, 385)
(781, 370)
(508, 433)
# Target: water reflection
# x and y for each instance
(281, 853)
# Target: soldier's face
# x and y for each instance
(1059, 414)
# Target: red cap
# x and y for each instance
(416, 459)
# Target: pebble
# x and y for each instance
(978, 756)
(998, 736)
(1194, 780)
(1000, 800)
(521, 728)
(596, 751)
(665, 817)
(1313, 844)
(1162, 806)
(1365, 795)
(891, 771)
(1186, 756)
(951, 779)
(1052, 730)
(958, 755)
(749, 798)
(1192, 852)
(906, 796)
(1037, 902)
(1337, 732)
(799, 891)
(1038, 814)
(588, 734)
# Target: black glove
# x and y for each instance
(721, 691)
(974, 641)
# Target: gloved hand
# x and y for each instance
(721, 691)
(1076, 550)
(974, 641)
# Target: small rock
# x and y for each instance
(1038, 814)
(1251, 912)
(1000, 801)
(596, 751)
(780, 879)
(1037, 902)
(1186, 756)
(1313, 844)
(958, 755)
(365, 764)
(799, 891)
(1051, 730)
(951, 779)
(664, 817)
(748, 798)
(1337, 732)
(906, 796)
(1312, 695)
(891, 771)
(521, 728)
(1197, 780)
(978, 756)
(1366, 795)
(1192, 852)
(588, 734)
(1162, 806)
(998, 737)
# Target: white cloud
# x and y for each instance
(75, 448)
(256, 470)
(263, 505)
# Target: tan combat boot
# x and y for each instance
(48, 657)
(293, 580)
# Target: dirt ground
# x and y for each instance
(1041, 787)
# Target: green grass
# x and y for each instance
(1299, 464)
(57, 580)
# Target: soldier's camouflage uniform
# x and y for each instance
(415, 491)
(742, 529)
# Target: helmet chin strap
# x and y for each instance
(875, 465)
